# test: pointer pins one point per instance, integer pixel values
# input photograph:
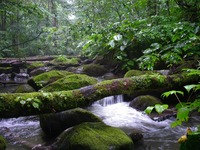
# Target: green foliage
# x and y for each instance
(158, 108)
(30, 102)
(3, 143)
(148, 41)
(184, 108)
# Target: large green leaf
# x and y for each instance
(173, 92)
(192, 86)
(160, 108)
(149, 109)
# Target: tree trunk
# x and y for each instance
(14, 105)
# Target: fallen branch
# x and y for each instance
(14, 105)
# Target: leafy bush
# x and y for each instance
(146, 41)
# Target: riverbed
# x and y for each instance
(23, 133)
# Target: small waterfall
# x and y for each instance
(110, 100)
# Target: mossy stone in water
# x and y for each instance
(94, 136)
(70, 82)
(55, 123)
(46, 78)
(2, 143)
(142, 102)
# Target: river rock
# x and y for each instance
(24, 88)
(2, 143)
(53, 124)
(70, 82)
(46, 78)
(94, 70)
(38, 71)
(136, 137)
(93, 136)
(142, 102)
(132, 73)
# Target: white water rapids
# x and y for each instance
(24, 132)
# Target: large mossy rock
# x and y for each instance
(63, 60)
(132, 73)
(93, 136)
(94, 70)
(142, 102)
(34, 65)
(70, 82)
(55, 123)
(2, 143)
(46, 78)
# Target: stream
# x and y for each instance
(23, 133)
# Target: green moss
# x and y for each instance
(70, 82)
(63, 60)
(36, 64)
(94, 70)
(47, 78)
(95, 136)
(131, 73)
(5, 69)
(2, 143)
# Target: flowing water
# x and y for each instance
(24, 132)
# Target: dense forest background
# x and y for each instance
(133, 32)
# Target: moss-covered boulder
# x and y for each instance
(94, 70)
(94, 136)
(46, 78)
(132, 73)
(24, 88)
(2, 143)
(70, 82)
(63, 60)
(55, 123)
(142, 102)
(35, 64)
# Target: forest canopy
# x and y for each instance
(134, 31)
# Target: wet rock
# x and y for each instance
(24, 88)
(109, 76)
(142, 102)
(21, 77)
(94, 70)
(4, 77)
(53, 124)
(136, 137)
(93, 136)
(38, 71)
